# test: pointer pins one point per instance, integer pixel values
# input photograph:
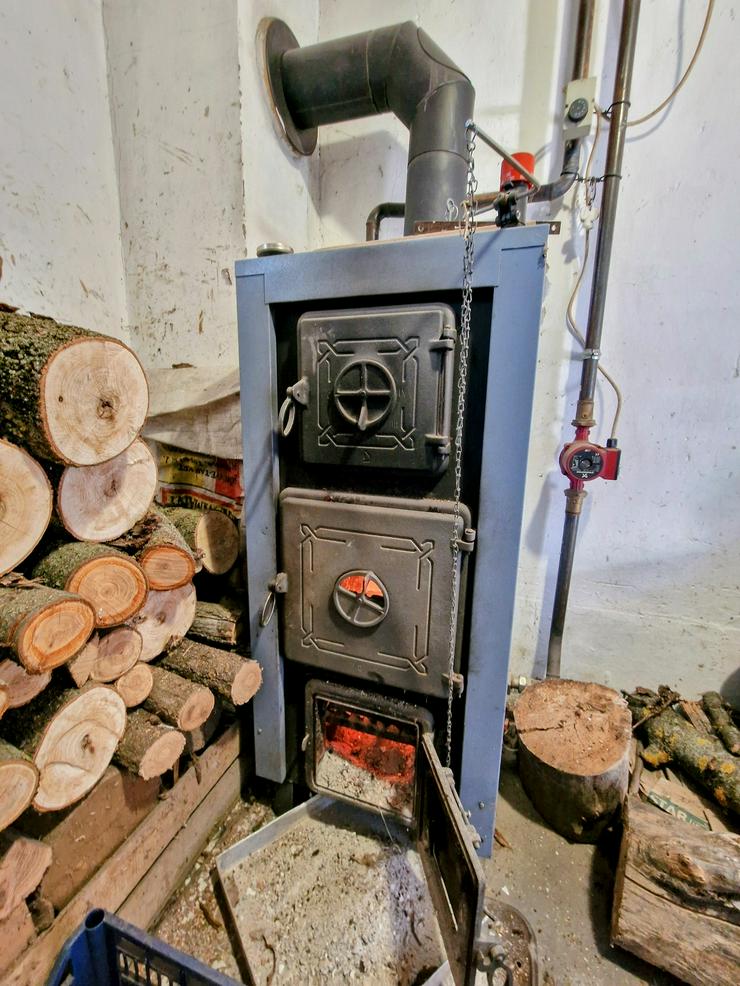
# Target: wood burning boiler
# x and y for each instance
(349, 369)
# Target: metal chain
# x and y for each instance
(462, 391)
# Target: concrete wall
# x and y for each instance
(59, 222)
(655, 587)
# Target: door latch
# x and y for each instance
(278, 586)
(296, 394)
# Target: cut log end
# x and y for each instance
(115, 587)
(247, 682)
(135, 685)
(165, 616)
(100, 503)
(117, 652)
(48, 637)
(77, 746)
(93, 400)
(19, 779)
(22, 687)
(217, 542)
(25, 505)
(149, 747)
(167, 567)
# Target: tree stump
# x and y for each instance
(574, 742)
(149, 747)
(43, 627)
(68, 394)
(100, 503)
(164, 618)
(236, 679)
(113, 584)
(677, 896)
(71, 736)
(218, 623)
(19, 778)
(21, 686)
(135, 685)
(211, 535)
(179, 702)
(25, 505)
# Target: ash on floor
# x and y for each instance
(192, 921)
(328, 903)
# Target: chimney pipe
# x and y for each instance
(395, 69)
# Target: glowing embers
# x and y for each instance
(364, 756)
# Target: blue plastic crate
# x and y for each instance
(109, 952)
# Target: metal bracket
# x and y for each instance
(467, 542)
(458, 683)
(442, 443)
(591, 354)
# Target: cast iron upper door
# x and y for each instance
(376, 386)
(369, 586)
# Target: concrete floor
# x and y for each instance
(565, 891)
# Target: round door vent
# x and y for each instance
(364, 393)
(361, 598)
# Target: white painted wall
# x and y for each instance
(195, 176)
(655, 588)
(59, 224)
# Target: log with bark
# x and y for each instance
(19, 778)
(149, 747)
(671, 738)
(721, 719)
(677, 896)
(218, 623)
(21, 686)
(113, 584)
(211, 535)
(100, 503)
(164, 619)
(4, 699)
(177, 701)
(81, 665)
(135, 685)
(25, 505)
(41, 626)
(71, 736)
(68, 394)
(236, 679)
(574, 744)
(161, 551)
(23, 862)
(198, 739)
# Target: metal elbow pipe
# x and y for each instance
(396, 69)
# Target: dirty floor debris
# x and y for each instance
(564, 889)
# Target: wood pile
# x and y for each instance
(96, 599)
(677, 889)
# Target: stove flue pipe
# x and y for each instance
(395, 69)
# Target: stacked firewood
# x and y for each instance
(96, 581)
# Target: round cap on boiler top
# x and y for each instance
(509, 174)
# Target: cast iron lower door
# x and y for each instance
(369, 586)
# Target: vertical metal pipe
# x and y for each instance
(584, 414)
(612, 178)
